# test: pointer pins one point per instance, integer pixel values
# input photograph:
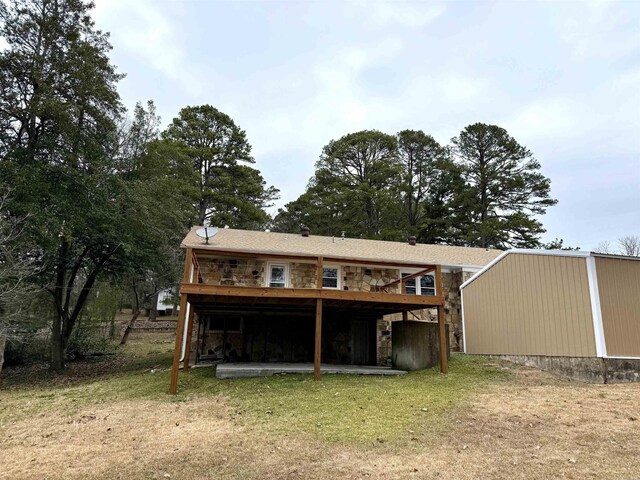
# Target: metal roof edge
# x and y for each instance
(525, 251)
(615, 256)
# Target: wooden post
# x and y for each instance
(175, 367)
(318, 345)
(405, 316)
(187, 352)
(442, 329)
(319, 273)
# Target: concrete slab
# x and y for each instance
(246, 370)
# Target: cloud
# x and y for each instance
(151, 35)
(597, 28)
(402, 13)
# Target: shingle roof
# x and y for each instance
(348, 248)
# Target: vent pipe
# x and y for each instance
(304, 231)
(412, 240)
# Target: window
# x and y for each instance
(330, 277)
(427, 285)
(410, 285)
(277, 275)
(424, 285)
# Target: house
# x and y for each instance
(575, 313)
(251, 296)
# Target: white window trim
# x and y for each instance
(418, 286)
(267, 277)
(339, 276)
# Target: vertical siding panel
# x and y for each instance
(619, 286)
(530, 305)
(513, 281)
(532, 342)
(521, 270)
(566, 305)
(546, 341)
(568, 300)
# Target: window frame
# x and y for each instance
(338, 276)
(418, 284)
(270, 266)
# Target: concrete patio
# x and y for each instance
(246, 370)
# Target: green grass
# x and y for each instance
(359, 408)
(338, 408)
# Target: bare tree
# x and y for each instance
(603, 247)
(629, 245)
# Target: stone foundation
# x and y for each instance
(583, 369)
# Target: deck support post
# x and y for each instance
(405, 316)
(187, 351)
(318, 343)
(175, 367)
(442, 329)
(187, 277)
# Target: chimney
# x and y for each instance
(304, 231)
(412, 240)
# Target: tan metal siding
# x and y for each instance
(619, 287)
(530, 305)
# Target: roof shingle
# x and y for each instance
(348, 248)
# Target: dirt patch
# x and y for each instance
(533, 427)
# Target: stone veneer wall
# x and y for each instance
(365, 279)
(251, 273)
(302, 275)
(244, 272)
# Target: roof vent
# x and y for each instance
(304, 231)
(412, 240)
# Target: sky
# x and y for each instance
(562, 77)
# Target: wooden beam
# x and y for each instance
(319, 272)
(442, 329)
(405, 316)
(442, 333)
(188, 263)
(187, 352)
(410, 277)
(318, 344)
(175, 367)
(311, 293)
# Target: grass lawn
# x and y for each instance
(112, 418)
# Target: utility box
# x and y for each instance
(416, 345)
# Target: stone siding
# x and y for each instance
(241, 272)
(365, 279)
(302, 275)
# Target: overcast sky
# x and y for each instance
(562, 77)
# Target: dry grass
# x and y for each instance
(521, 424)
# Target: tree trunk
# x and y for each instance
(57, 352)
(132, 322)
(153, 310)
(3, 342)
